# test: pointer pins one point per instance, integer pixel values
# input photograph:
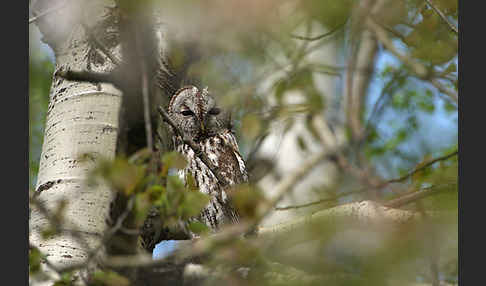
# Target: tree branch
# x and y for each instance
(357, 84)
(345, 194)
(365, 212)
(406, 199)
(335, 29)
(441, 15)
(416, 67)
(146, 101)
(89, 76)
(47, 11)
(414, 171)
(414, 196)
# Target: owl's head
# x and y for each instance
(195, 113)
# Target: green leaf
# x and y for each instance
(400, 100)
(198, 227)
(452, 67)
(174, 159)
(192, 205)
(35, 257)
(109, 278)
(330, 13)
(301, 143)
(48, 232)
(66, 279)
(247, 199)
(155, 192)
(141, 207)
(120, 174)
(174, 184)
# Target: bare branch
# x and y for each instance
(289, 181)
(378, 106)
(89, 76)
(321, 201)
(414, 171)
(399, 201)
(335, 29)
(414, 196)
(452, 94)
(145, 97)
(358, 83)
(57, 224)
(416, 67)
(47, 11)
(368, 212)
(364, 211)
(441, 15)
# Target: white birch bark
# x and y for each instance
(82, 118)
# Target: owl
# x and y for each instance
(197, 116)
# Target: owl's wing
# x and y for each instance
(233, 159)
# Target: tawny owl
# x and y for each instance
(197, 116)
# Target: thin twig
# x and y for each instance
(197, 151)
(89, 76)
(47, 11)
(414, 171)
(398, 202)
(290, 181)
(321, 201)
(378, 106)
(444, 18)
(145, 97)
(335, 29)
(416, 67)
(106, 237)
(444, 90)
(56, 223)
(381, 34)
(414, 196)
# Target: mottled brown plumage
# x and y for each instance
(197, 117)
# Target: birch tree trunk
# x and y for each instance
(82, 120)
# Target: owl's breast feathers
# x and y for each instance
(222, 151)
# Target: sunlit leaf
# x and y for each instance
(248, 200)
(193, 204)
(174, 159)
(197, 227)
(120, 174)
(35, 257)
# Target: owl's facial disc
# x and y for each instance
(196, 113)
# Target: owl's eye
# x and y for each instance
(187, 113)
(214, 111)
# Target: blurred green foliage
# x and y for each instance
(40, 77)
